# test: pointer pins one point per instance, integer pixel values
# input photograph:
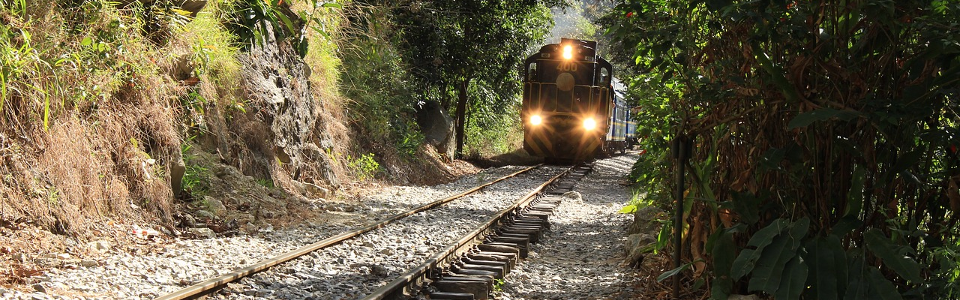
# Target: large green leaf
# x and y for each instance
(766, 275)
(748, 257)
(882, 247)
(845, 225)
(880, 287)
(723, 252)
(807, 118)
(857, 286)
(855, 194)
(674, 272)
(286, 22)
(827, 263)
(769, 269)
(794, 279)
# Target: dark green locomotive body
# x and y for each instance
(568, 102)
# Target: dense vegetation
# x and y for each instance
(460, 54)
(825, 141)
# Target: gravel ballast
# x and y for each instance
(343, 271)
(580, 258)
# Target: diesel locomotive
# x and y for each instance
(571, 111)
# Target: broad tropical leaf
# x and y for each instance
(748, 257)
(794, 279)
(881, 288)
(826, 271)
(723, 252)
(769, 270)
(881, 246)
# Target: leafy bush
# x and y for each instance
(365, 167)
(253, 21)
(196, 178)
(375, 77)
(493, 131)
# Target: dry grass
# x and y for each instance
(94, 132)
(648, 288)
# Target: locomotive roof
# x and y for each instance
(592, 45)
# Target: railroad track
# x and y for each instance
(475, 264)
(298, 278)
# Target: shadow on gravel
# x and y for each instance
(516, 158)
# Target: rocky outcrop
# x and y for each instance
(437, 127)
(277, 81)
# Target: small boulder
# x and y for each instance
(573, 196)
(203, 232)
(213, 204)
(205, 215)
(99, 246)
(89, 263)
(636, 246)
(188, 221)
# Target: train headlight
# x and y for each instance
(536, 120)
(567, 52)
(589, 124)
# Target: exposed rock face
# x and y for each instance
(177, 169)
(278, 82)
(437, 127)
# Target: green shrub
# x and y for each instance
(365, 167)
(196, 178)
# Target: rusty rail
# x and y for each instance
(416, 275)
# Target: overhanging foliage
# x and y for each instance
(826, 140)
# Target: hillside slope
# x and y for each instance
(129, 115)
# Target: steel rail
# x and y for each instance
(416, 274)
(213, 283)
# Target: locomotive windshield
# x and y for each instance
(570, 84)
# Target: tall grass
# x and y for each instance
(80, 90)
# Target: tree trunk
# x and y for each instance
(443, 90)
(461, 115)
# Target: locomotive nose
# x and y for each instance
(566, 82)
